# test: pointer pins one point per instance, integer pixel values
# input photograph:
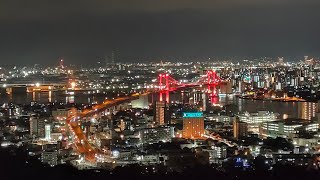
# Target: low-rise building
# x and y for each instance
(308, 142)
(149, 159)
(154, 135)
(294, 159)
(254, 120)
(217, 118)
(63, 113)
(50, 157)
(287, 128)
(37, 127)
(259, 117)
(217, 151)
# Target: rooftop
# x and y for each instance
(292, 121)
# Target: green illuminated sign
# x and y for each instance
(248, 78)
(192, 114)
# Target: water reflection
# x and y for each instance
(50, 96)
(285, 109)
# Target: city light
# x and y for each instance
(73, 85)
(106, 116)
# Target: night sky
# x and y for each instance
(82, 31)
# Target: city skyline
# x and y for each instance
(163, 116)
(228, 89)
(43, 31)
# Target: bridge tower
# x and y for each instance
(213, 81)
(166, 84)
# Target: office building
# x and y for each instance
(240, 129)
(254, 120)
(154, 135)
(289, 128)
(193, 125)
(259, 117)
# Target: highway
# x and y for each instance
(81, 143)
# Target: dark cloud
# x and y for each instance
(42, 31)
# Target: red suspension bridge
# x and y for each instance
(210, 80)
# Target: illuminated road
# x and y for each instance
(81, 143)
(219, 139)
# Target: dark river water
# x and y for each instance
(289, 109)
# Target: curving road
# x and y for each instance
(81, 143)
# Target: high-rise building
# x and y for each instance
(193, 125)
(240, 86)
(307, 110)
(37, 127)
(160, 112)
(240, 129)
(47, 129)
(204, 102)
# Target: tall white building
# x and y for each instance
(47, 129)
(307, 110)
